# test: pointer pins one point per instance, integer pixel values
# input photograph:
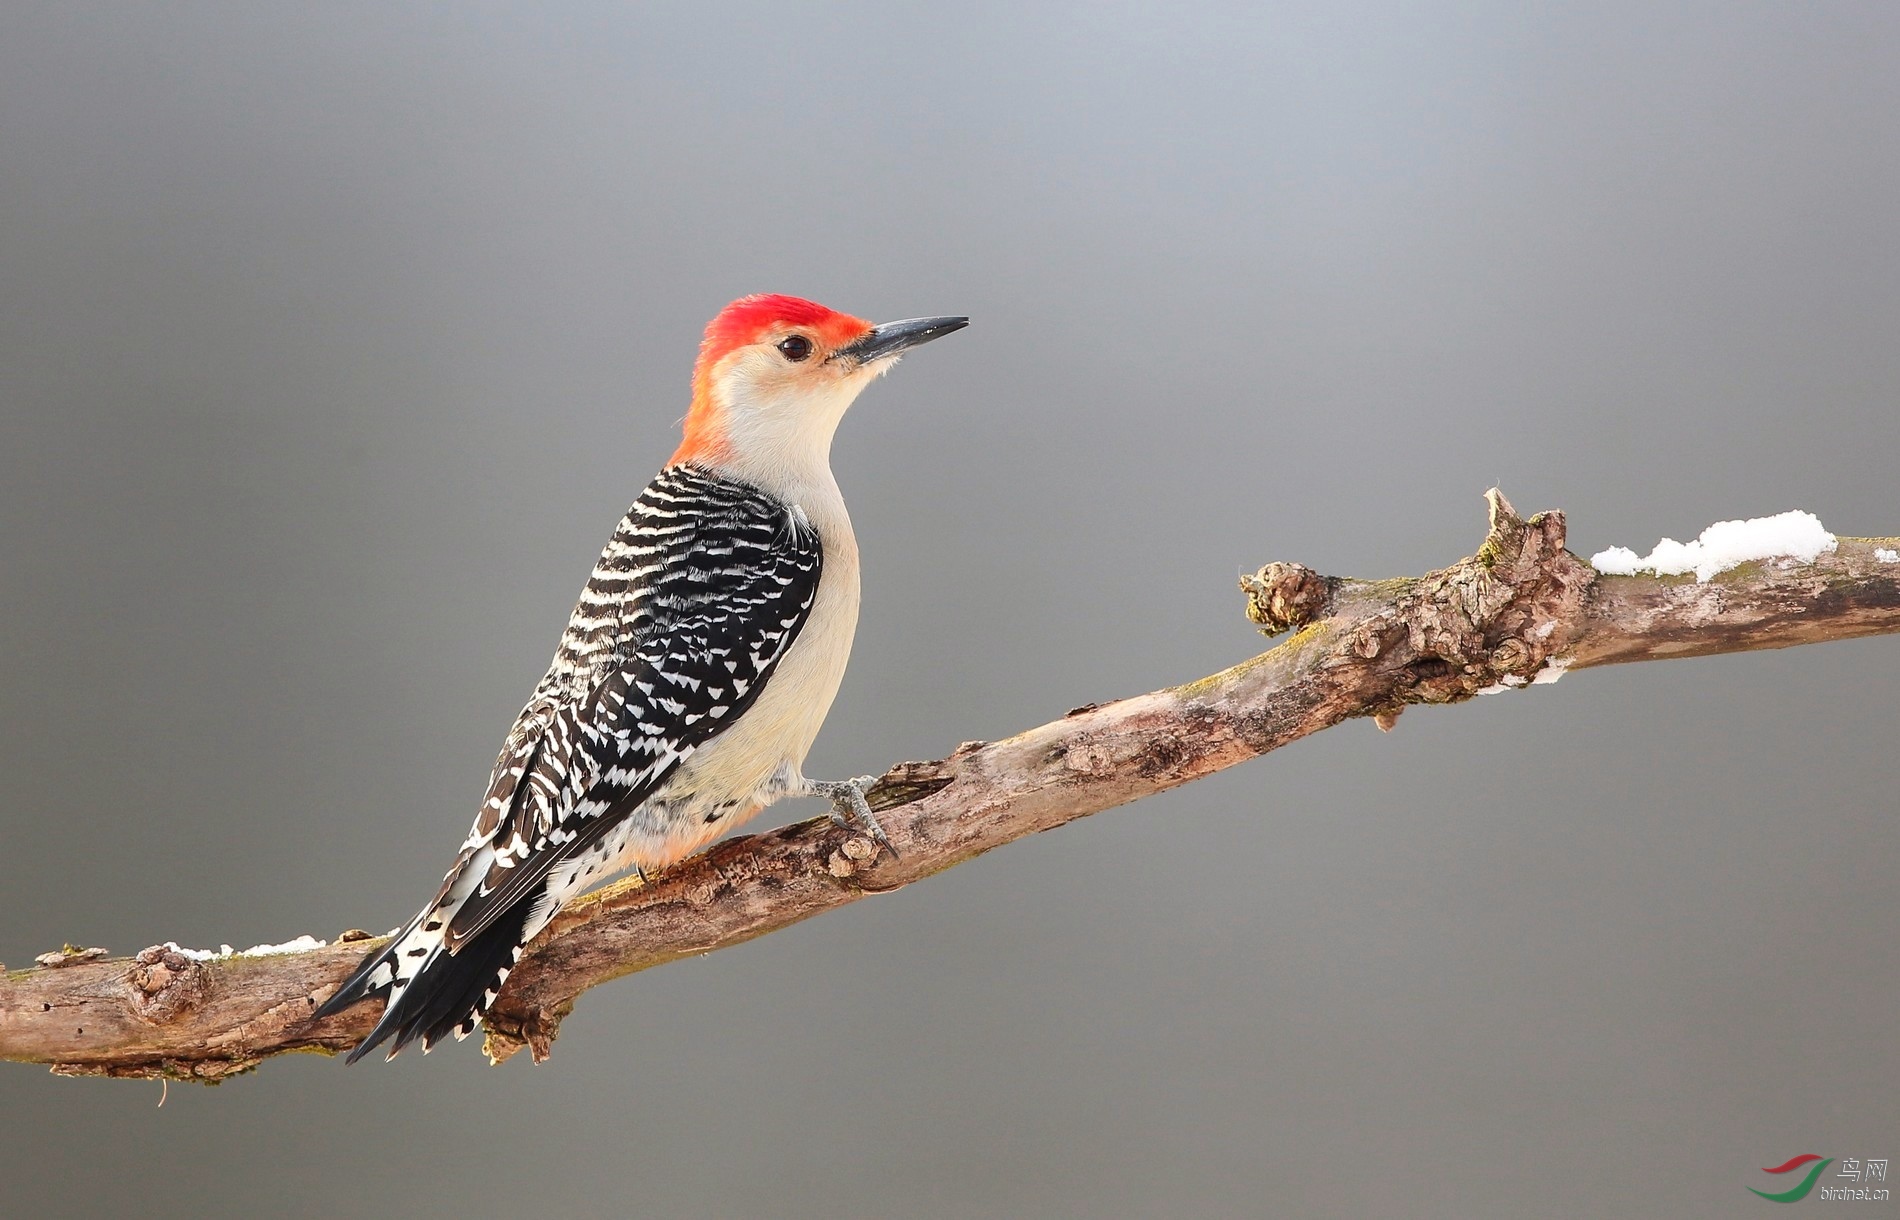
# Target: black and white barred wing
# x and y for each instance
(716, 624)
(695, 601)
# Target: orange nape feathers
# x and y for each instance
(747, 321)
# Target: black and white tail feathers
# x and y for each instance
(433, 992)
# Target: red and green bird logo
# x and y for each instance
(1799, 1191)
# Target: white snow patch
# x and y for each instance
(205, 955)
(290, 946)
(1886, 556)
(1492, 689)
(1725, 545)
(1552, 670)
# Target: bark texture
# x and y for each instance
(1521, 610)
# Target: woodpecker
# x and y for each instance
(693, 675)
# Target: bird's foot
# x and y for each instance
(849, 809)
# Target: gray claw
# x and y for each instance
(850, 810)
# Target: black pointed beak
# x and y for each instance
(893, 338)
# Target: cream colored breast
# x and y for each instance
(778, 730)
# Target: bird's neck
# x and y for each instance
(782, 447)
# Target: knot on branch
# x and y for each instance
(1492, 621)
(1284, 596)
(164, 984)
(850, 856)
(534, 1029)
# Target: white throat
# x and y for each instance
(778, 437)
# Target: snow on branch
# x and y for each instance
(1522, 611)
(1724, 545)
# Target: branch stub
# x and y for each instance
(1283, 596)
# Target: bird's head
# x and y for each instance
(775, 376)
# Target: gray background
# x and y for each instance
(332, 344)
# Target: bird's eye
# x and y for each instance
(795, 347)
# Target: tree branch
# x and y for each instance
(1522, 610)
